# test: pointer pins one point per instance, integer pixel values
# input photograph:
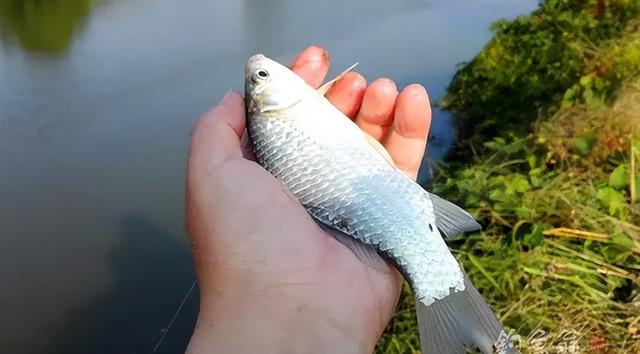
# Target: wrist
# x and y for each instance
(231, 322)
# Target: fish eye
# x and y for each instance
(259, 76)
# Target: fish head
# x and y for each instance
(271, 87)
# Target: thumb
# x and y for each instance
(215, 138)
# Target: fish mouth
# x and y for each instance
(256, 58)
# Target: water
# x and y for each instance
(96, 103)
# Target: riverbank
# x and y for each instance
(547, 162)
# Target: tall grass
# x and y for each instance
(550, 169)
(559, 256)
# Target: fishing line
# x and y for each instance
(175, 315)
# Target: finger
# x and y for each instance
(347, 93)
(377, 146)
(376, 112)
(312, 65)
(216, 136)
(215, 139)
(407, 140)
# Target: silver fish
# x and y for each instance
(354, 193)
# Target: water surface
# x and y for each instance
(96, 103)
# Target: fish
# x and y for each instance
(358, 196)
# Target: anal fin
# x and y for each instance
(452, 220)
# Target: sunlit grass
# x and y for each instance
(549, 165)
(558, 259)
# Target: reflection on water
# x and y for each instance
(43, 26)
(93, 140)
(120, 317)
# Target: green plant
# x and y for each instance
(535, 62)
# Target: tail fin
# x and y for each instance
(460, 321)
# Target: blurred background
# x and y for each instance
(533, 132)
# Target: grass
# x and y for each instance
(559, 255)
(556, 259)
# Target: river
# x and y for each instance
(97, 99)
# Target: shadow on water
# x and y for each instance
(43, 26)
(151, 273)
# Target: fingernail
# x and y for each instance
(324, 54)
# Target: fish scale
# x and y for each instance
(364, 193)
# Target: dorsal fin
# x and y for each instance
(322, 90)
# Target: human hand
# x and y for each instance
(271, 281)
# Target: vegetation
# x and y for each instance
(552, 103)
(43, 26)
(535, 62)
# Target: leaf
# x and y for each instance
(524, 212)
(535, 176)
(535, 236)
(623, 241)
(613, 200)
(585, 80)
(570, 94)
(615, 282)
(584, 144)
(619, 178)
(514, 147)
(497, 195)
(496, 144)
(517, 184)
(532, 159)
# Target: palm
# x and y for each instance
(247, 230)
(285, 243)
